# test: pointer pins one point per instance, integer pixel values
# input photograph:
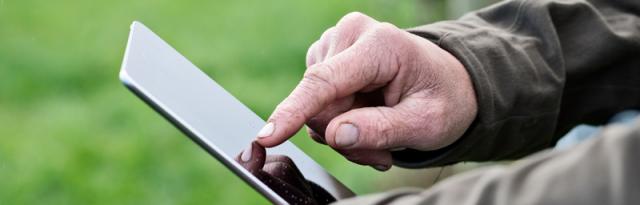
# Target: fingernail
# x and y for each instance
(346, 135)
(266, 131)
(398, 149)
(246, 154)
(381, 167)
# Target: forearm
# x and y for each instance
(538, 68)
(600, 171)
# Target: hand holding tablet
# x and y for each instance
(281, 174)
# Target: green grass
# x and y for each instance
(70, 133)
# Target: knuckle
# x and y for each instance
(288, 111)
(380, 131)
(328, 33)
(320, 77)
(388, 41)
(384, 130)
(353, 17)
(384, 134)
(313, 49)
(385, 29)
(315, 89)
(349, 27)
(316, 76)
(427, 128)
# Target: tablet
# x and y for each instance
(205, 112)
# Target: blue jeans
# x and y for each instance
(583, 132)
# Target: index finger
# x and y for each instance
(323, 83)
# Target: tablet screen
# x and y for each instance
(211, 116)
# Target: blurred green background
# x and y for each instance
(70, 133)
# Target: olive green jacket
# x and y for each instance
(539, 67)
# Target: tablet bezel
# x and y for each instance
(141, 35)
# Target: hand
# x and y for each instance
(370, 88)
(282, 176)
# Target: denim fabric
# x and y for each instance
(583, 132)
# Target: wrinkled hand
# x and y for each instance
(370, 88)
(282, 176)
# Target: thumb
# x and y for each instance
(252, 158)
(381, 128)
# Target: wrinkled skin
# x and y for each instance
(387, 87)
(282, 176)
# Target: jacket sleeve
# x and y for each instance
(603, 170)
(539, 67)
